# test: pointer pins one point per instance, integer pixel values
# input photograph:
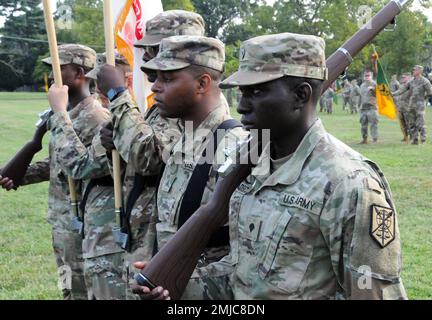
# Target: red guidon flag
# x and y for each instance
(130, 17)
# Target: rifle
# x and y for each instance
(173, 265)
(16, 168)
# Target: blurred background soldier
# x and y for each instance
(420, 87)
(328, 100)
(368, 109)
(346, 94)
(402, 103)
(354, 97)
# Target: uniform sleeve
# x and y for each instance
(76, 159)
(142, 146)
(37, 172)
(402, 89)
(359, 223)
(428, 88)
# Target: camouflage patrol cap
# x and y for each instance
(406, 74)
(270, 57)
(101, 60)
(418, 67)
(75, 53)
(171, 23)
(179, 52)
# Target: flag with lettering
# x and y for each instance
(130, 17)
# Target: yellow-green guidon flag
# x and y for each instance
(385, 103)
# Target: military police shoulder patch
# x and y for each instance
(383, 223)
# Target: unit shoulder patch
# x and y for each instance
(383, 227)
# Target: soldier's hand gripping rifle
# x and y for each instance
(16, 168)
(173, 265)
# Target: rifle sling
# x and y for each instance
(139, 186)
(195, 190)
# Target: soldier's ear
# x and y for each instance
(303, 92)
(80, 73)
(204, 83)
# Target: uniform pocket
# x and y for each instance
(287, 256)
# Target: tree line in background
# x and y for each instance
(23, 38)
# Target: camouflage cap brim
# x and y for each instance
(92, 74)
(247, 78)
(149, 40)
(49, 61)
(165, 64)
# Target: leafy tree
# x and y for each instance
(178, 5)
(218, 13)
(24, 20)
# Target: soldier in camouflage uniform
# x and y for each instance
(103, 257)
(328, 100)
(315, 219)
(402, 103)
(141, 141)
(85, 115)
(355, 97)
(184, 64)
(346, 94)
(368, 109)
(120, 63)
(419, 87)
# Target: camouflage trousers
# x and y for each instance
(129, 272)
(328, 103)
(70, 263)
(322, 104)
(354, 102)
(369, 117)
(416, 118)
(103, 277)
(346, 102)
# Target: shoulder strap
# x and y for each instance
(195, 189)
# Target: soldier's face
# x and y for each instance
(175, 93)
(70, 77)
(416, 72)
(270, 105)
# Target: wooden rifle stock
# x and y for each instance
(173, 265)
(16, 168)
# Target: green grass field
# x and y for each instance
(27, 267)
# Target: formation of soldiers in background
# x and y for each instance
(410, 95)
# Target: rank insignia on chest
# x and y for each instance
(189, 166)
(383, 225)
(246, 187)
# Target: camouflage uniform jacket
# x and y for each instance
(178, 171)
(368, 96)
(347, 90)
(142, 142)
(419, 89)
(84, 158)
(329, 94)
(59, 211)
(355, 91)
(304, 231)
(395, 85)
(403, 100)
